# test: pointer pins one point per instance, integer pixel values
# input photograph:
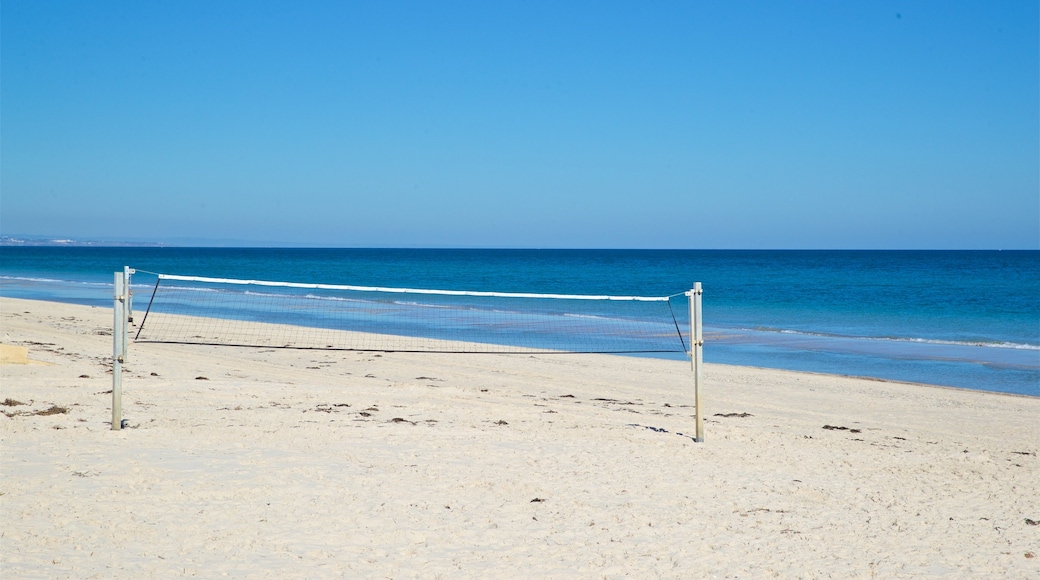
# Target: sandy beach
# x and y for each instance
(250, 462)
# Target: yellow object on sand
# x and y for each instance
(17, 355)
(13, 355)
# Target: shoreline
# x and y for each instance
(1003, 389)
(257, 462)
(884, 380)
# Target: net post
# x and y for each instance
(697, 357)
(118, 348)
(128, 315)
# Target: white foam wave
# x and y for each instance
(188, 289)
(588, 316)
(55, 281)
(334, 298)
(935, 341)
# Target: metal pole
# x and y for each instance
(118, 349)
(697, 356)
(128, 316)
(127, 273)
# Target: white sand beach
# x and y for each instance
(250, 462)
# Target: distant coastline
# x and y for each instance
(41, 241)
(38, 241)
(52, 241)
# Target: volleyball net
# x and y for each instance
(272, 314)
(220, 311)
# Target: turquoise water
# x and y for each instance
(958, 318)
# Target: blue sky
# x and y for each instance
(524, 124)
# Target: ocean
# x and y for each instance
(967, 319)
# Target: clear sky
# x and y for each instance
(596, 124)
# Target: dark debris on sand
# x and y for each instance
(843, 428)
